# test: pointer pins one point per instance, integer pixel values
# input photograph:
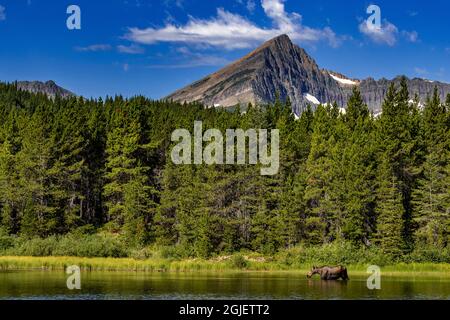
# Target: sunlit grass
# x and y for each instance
(198, 265)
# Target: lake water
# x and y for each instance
(243, 285)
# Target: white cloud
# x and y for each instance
(274, 9)
(386, 34)
(133, 49)
(94, 48)
(2, 13)
(411, 36)
(251, 6)
(232, 31)
(178, 3)
(201, 61)
(126, 67)
(188, 59)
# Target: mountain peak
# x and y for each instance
(50, 83)
(49, 88)
(277, 66)
(281, 42)
(282, 38)
(280, 66)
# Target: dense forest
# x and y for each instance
(94, 167)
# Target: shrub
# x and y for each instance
(70, 245)
(238, 261)
(6, 241)
(36, 246)
(92, 246)
(176, 252)
(141, 254)
(429, 254)
(332, 254)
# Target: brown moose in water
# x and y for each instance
(329, 273)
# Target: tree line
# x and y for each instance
(75, 164)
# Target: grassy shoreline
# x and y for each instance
(197, 265)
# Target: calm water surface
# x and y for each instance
(129, 285)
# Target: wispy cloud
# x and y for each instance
(421, 71)
(188, 59)
(2, 13)
(385, 34)
(177, 3)
(232, 31)
(250, 5)
(411, 36)
(201, 62)
(94, 48)
(133, 49)
(135, 3)
(439, 74)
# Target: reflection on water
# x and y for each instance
(129, 285)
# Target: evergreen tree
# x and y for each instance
(429, 198)
(357, 178)
(390, 211)
(127, 191)
(319, 195)
(71, 165)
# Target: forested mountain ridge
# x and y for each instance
(72, 165)
(281, 66)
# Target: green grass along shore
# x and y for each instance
(234, 263)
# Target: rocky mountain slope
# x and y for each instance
(281, 66)
(49, 88)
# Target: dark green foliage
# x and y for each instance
(238, 261)
(95, 178)
(431, 195)
(67, 245)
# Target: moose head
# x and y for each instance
(313, 271)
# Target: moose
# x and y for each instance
(329, 273)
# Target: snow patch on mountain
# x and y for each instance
(311, 98)
(343, 81)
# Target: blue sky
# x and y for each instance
(154, 47)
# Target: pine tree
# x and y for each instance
(431, 214)
(9, 196)
(397, 153)
(356, 108)
(127, 191)
(69, 163)
(39, 212)
(390, 211)
(319, 196)
(357, 178)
